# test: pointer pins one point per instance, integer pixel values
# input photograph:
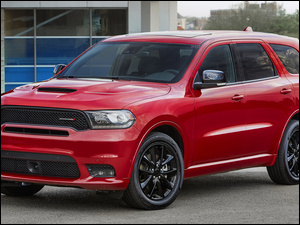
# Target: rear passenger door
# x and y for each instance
(267, 94)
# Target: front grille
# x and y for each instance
(44, 116)
(38, 164)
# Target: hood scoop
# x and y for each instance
(61, 90)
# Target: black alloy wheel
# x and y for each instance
(293, 154)
(158, 173)
(286, 167)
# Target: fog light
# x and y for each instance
(101, 170)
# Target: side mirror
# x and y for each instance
(58, 68)
(209, 79)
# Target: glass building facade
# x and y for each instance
(35, 40)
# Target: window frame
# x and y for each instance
(279, 59)
(241, 74)
(206, 51)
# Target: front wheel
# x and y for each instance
(157, 175)
(286, 167)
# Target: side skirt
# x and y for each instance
(228, 165)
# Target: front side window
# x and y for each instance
(255, 61)
(152, 62)
(220, 58)
(288, 56)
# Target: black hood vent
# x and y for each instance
(63, 90)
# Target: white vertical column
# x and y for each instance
(154, 16)
(173, 15)
(167, 15)
(150, 16)
(164, 18)
(134, 17)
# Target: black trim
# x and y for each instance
(62, 90)
(36, 156)
(34, 131)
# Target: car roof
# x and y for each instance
(198, 37)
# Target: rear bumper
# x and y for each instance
(108, 147)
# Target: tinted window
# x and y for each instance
(289, 57)
(109, 22)
(152, 62)
(255, 61)
(220, 58)
(18, 22)
(62, 22)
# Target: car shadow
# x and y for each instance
(64, 198)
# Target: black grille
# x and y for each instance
(37, 165)
(23, 130)
(44, 116)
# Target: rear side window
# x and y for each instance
(255, 61)
(288, 56)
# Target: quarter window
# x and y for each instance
(255, 61)
(288, 56)
(220, 58)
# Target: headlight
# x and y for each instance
(112, 119)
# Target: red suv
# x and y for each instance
(139, 113)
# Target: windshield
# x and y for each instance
(154, 62)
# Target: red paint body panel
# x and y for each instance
(90, 95)
(218, 132)
(92, 147)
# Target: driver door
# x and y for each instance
(220, 111)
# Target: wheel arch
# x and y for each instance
(294, 116)
(173, 133)
(169, 128)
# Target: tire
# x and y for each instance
(157, 175)
(18, 190)
(286, 167)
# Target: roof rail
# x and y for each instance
(249, 29)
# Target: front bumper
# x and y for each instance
(102, 147)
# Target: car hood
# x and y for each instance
(83, 94)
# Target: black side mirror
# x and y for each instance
(58, 68)
(209, 79)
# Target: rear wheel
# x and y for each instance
(19, 189)
(158, 172)
(286, 168)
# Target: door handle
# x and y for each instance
(285, 91)
(237, 97)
